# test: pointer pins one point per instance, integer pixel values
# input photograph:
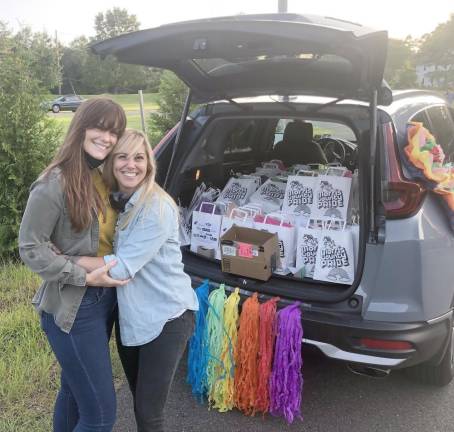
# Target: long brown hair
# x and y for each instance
(81, 195)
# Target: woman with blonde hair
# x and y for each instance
(156, 306)
(68, 210)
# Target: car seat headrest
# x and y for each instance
(298, 131)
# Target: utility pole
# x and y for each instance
(142, 112)
(282, 6)
(57, 49)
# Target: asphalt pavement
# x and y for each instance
(334, 400)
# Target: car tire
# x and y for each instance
(56, 108)
(437, 375)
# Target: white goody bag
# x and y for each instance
(238, 190)
(331, 197)
(237, 217)
(206, 227)
(270, 195)
(335, 259)
(299, 195)
(306, 250)
(184, 228)
(276, 224)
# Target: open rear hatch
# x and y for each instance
(246, 55)
(274, 54)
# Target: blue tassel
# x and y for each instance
(198, 353)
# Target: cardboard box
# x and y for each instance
(249, 252)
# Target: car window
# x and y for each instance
(442, 126)
(439, 122)
(239, 140)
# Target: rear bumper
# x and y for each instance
(351, 357)
(340, 337)
(337, 335)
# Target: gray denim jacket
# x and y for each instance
(46, 220)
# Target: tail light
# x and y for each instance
(401, 198)
(165, 138)
(384, 344)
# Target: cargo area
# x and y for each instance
(309, 170)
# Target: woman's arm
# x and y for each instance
(44, 207)
(88, 263)
(149, 232)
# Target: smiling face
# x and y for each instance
(130, 169)
(99, 143)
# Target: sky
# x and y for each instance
(73, 18)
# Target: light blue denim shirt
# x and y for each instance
(148, 251)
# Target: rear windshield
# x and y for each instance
(220, 66)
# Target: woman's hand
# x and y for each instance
(100, 277)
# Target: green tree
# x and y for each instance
(172, 94)
(42, 56)
(399, 70)
(28, 138)
(437, 48)
(73, 63)
(114, 22)
(90, 74)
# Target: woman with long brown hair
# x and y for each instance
(68, 211)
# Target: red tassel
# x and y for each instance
(246, 356)
(265, 358)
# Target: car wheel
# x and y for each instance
(55, 108)
(437, 375)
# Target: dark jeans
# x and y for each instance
(150, 370)
(86, 400)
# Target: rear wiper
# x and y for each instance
(285, 103)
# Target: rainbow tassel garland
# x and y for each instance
(250, 360)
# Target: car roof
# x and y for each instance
(249, 55)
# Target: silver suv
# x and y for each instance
(251, 75)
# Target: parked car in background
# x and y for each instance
(252, 76)
(65, 103)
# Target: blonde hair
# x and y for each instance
(132, 141)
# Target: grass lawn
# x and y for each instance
(29, 373)
(130, 103)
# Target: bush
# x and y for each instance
(172, 94)
(28, 138)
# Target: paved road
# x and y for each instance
(335, 400)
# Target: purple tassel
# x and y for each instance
(286, 380)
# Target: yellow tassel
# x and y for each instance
(223, 390)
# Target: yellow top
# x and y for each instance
(107, 226)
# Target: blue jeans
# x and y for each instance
(86, 401)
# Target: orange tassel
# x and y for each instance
(265, 358)
(246, 356)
